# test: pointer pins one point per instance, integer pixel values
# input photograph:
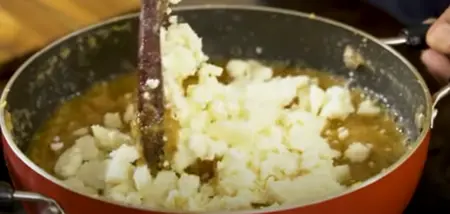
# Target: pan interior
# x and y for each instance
(71, 66)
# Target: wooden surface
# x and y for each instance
(27, 25)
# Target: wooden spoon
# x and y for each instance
(150, 104)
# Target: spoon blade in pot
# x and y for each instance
(150, 99)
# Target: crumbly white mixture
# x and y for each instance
(267, 153)
(358, 152)
(352, 58)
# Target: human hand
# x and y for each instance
(436, 59)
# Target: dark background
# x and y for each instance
(433, 193)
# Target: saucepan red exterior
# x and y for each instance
(99, 52)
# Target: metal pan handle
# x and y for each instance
(412, 36)
(437, 97)
(8, 196)
(416, 37)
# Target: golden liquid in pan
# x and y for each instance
(104, 97)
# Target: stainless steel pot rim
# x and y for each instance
(427, 120)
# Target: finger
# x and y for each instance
(438, 37)
(429, 21)
(437, 64)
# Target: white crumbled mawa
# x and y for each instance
(112, 120)
(267, 153)
(368, 107)
(358, 152)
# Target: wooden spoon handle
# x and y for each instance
(150, 89)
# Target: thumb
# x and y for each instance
(437, 64)
(438, 37)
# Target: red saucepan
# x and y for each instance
(75, 62)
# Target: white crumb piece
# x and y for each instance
(174, 1)
(317, 99)
(338, 104)
(188, 185)
(77, 185)
(86, 145)
(253, 70)
(117, 171)
(258, 50)
(125, 152)
(343, 133)
(173, 19)
(261, 72)
(112, 120)
(367, 107)
(358, 152)
(210, 70)
(352, 59)
(142, 179)
(152, 83)
(237, 68)
(56, 146)
(342, 173)
(313, 187)
(92, 173)
(133, 198)
(164, 182)
(128, 116)
(119, 167)
(119, 192)
(81, 132)
(109, 138)
(69, 162)
(146, 95)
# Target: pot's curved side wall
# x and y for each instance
(389, 195)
